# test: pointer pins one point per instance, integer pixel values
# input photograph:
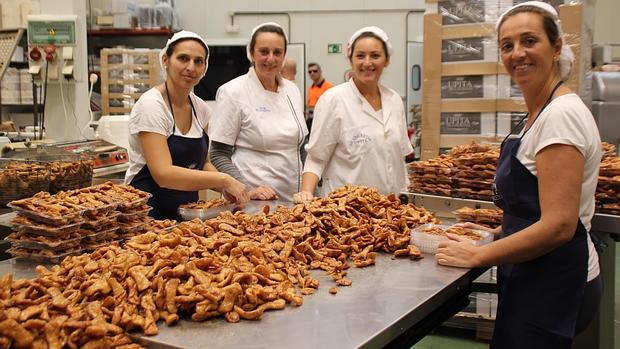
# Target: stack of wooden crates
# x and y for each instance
(467, 93)
(125, 75)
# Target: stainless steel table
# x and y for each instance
(394, 303)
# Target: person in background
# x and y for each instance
(289, 69)
(257, 130)
(548, 271)
(167, 139)
(318, 87)
(359, 135)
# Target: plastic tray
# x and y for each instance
(41, 258)
(149, 227)
(133, 209)
(130, 216)
(101, 243)
(88, 236)
(51, 220)
(132, 228)
(428, 242)
(102, 222)
(55, 245)
(36, 228)
(191, 213)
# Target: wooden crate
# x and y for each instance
(132, 62)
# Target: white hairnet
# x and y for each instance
(375, 30)
(183, 34)
(566, 55)
(247, 48)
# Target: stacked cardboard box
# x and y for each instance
(125, 75)
(10, 87)
(467, 93)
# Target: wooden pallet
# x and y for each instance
(148, 62)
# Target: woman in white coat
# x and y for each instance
(359, 133)
(257, 129)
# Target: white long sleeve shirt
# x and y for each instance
(351, 143)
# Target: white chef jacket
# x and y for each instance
(351, 143)
(266, 129)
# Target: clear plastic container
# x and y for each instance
(132, 216)
(25, 225)
(428, 242)
(101, 223)
(41, 256)
(131, 228)
(47, 219)
(109, 234)
(20, 240)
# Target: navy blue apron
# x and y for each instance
(539, 300)
(185, 152)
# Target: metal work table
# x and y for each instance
(606, 226)
(394, 303)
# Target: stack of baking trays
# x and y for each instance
(608, 189)
(433, 176)
(474, 170)
(47, 228)
(488, 217)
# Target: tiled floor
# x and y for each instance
(446, 338)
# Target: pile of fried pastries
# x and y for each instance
(236, 266)
(489, 217)
(205, 204)
(464, 232)
(467, 171)
(608, 187)
(19, 179)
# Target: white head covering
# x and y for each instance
(375, 30)
(183, 34)
(566, 55)
(247, 48)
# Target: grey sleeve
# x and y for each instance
(220, 155)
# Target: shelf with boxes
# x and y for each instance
(16, 88)
(125, 75)
(467, 93)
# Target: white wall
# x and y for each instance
(606, 26)
(315, 23)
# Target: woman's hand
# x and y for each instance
(458, 251)
(302, 196)
(469, 225)
(234, 191)
(263, 192)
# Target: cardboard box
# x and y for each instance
(507, 123)
(469, 50)
(469, 86)
(479, 124)
(465, 11)
(105, 20)
(507, 88)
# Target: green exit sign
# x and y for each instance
(334, 48)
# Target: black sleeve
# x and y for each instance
(220, 155)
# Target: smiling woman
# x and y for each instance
(258, 129)
(359, 134)
(167, 141)
(548, 273)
